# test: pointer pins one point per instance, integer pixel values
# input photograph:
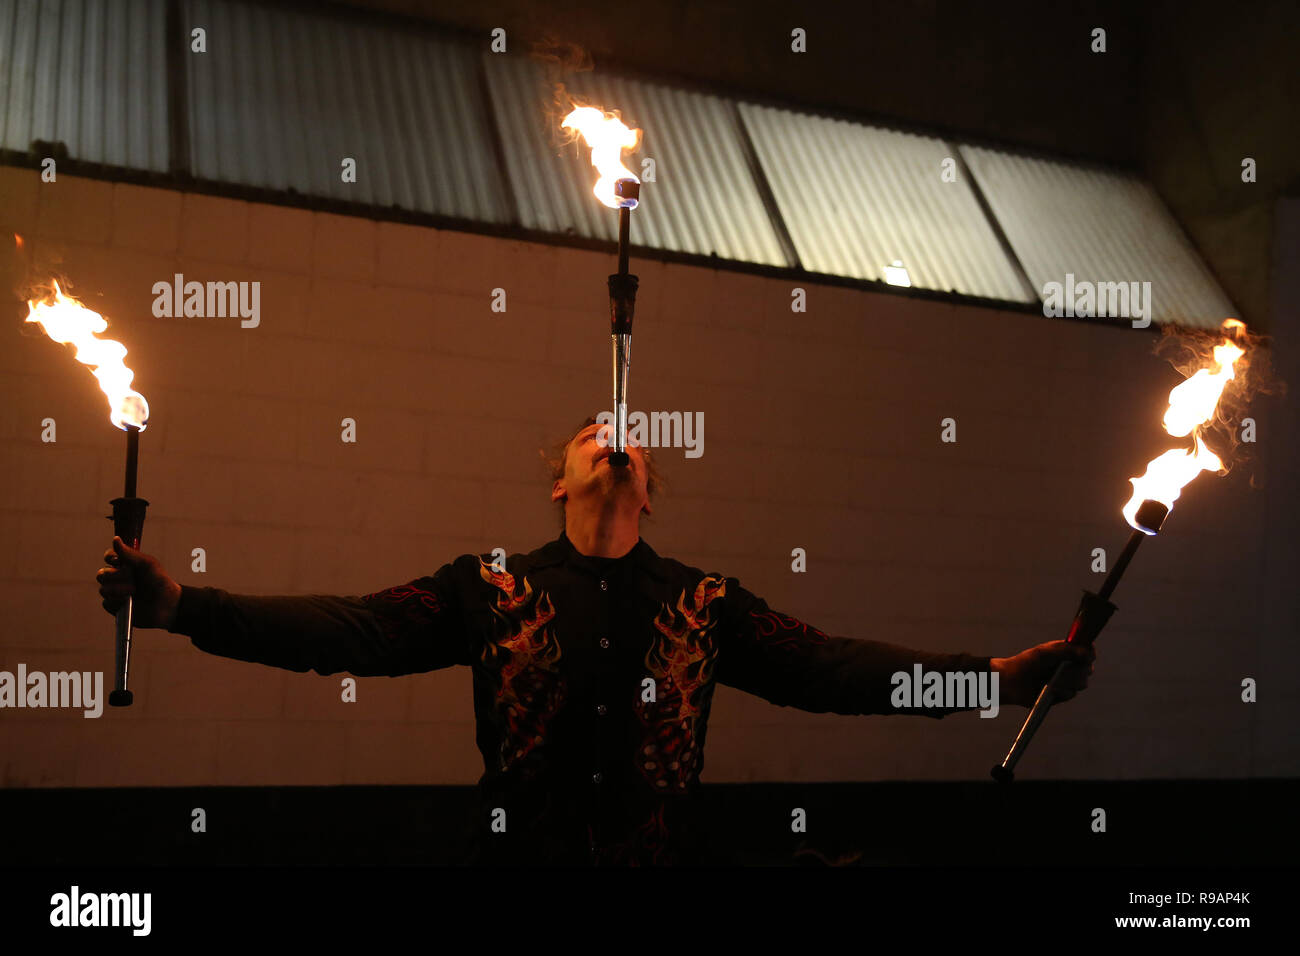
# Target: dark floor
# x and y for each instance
(1148, 823)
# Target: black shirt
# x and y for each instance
(592, 680)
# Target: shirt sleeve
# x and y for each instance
(793, 664)
(406, 629)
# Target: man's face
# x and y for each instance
(588, 475)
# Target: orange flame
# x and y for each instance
(1192, 404)
(607, 136)
(68, 322)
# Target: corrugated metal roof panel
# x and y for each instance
(1099, 226)
(704, 199)
(856, 198)
(282, 97)
(91, 74)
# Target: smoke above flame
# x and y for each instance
(1193, 408)
(68, 322)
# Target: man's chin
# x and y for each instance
(609, 481)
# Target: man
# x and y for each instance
(594, 662)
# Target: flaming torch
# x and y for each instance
(618, 189)
(68, 322)
(1192, 405)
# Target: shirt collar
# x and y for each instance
(562, 551)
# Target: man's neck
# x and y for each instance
(601, 535)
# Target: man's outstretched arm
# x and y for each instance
(791, 663)
(405, 629)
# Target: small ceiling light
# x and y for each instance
(896, 274)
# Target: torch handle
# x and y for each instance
(1094, 611)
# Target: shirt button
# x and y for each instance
(597, 777)
(602, 709)
(604, 643)
(604, 586)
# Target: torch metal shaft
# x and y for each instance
(1004, 772)
(622, 302)
(132, 459)
(622, 342)
(624, 229)
(1121, 565)
(121, 697)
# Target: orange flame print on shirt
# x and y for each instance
(524, 658)
(681, 662)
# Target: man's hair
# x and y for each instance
(557, 458)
